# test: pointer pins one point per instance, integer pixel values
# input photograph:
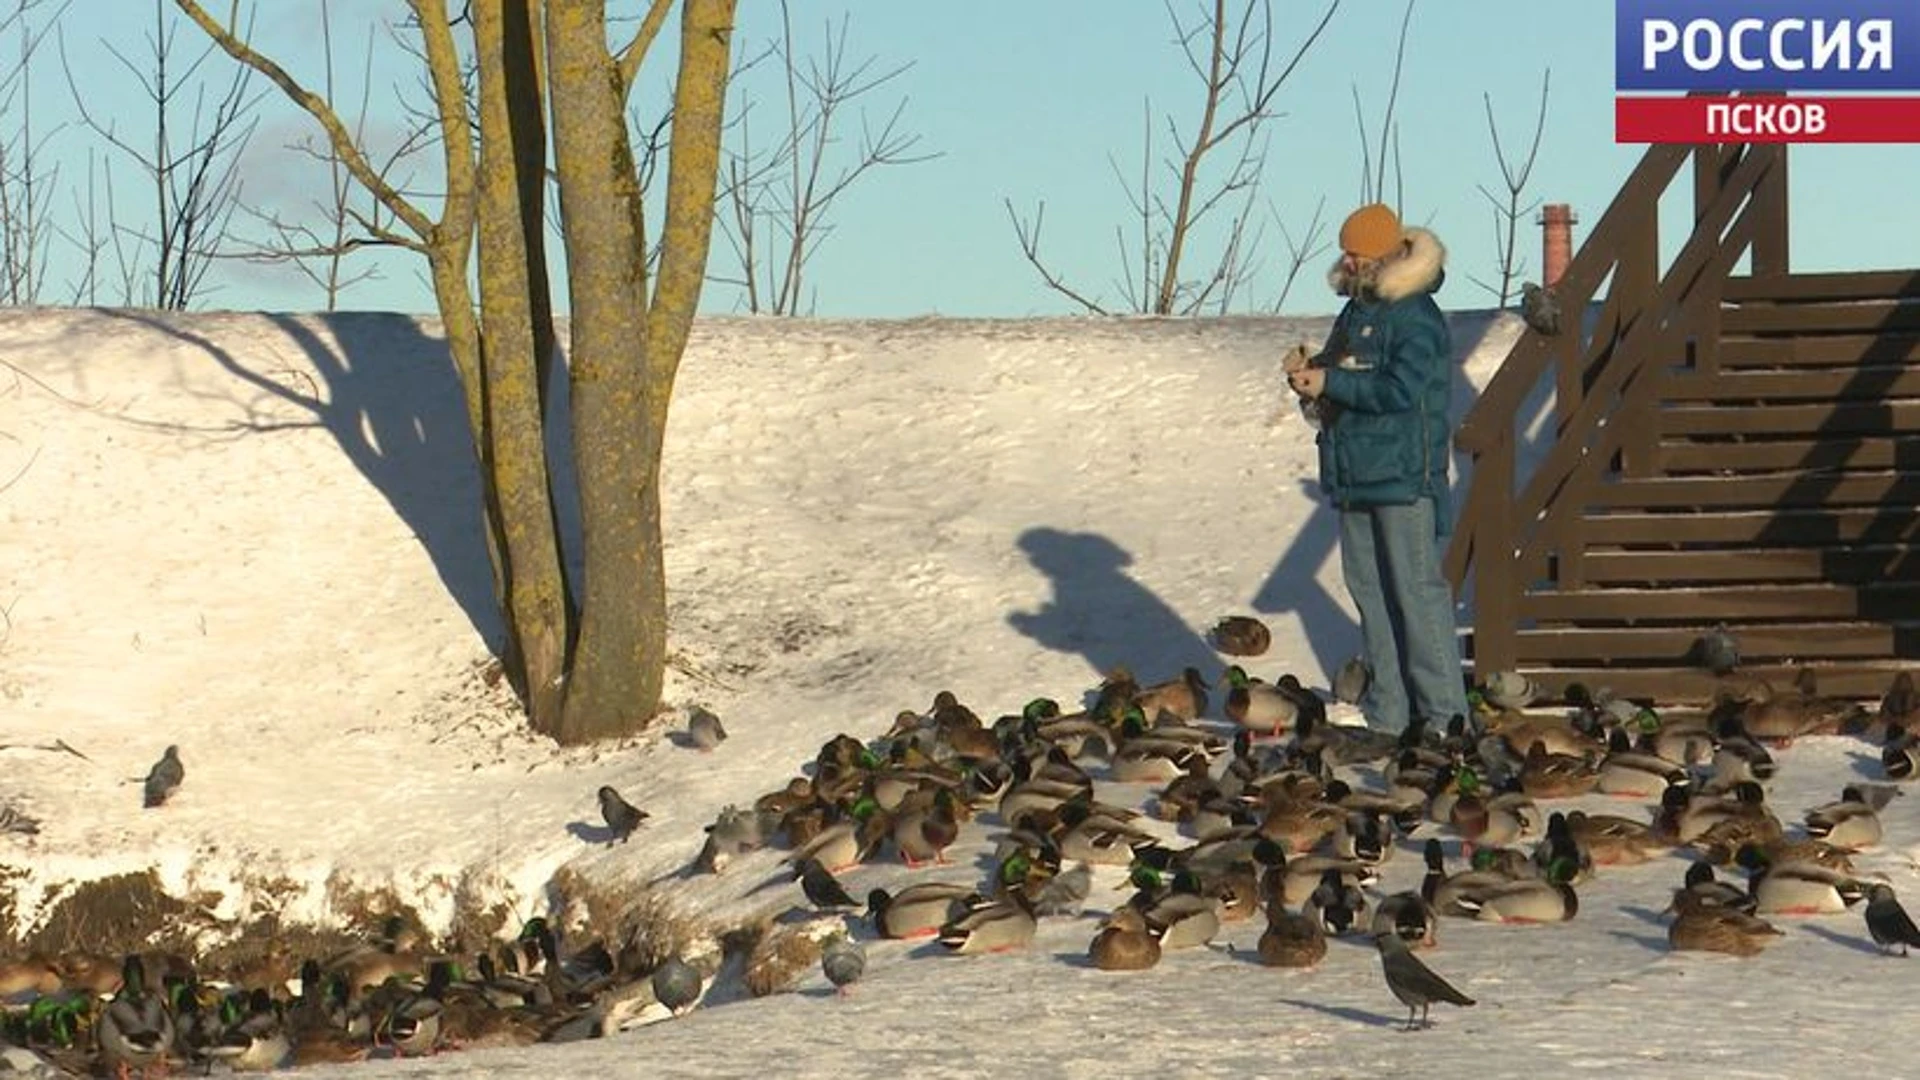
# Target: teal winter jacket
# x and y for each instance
(1385, 437)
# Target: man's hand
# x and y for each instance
(1309, 383)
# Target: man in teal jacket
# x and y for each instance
(1381, 390)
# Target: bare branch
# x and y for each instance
(1030, 245)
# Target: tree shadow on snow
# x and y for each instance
(1099, 611)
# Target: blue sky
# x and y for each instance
(1039, 100)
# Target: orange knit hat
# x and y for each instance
(1371, 232)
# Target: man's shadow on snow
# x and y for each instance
(1102, 613)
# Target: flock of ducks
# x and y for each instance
(1214, 802)
(1279, 816)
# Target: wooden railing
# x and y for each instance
(1513, 530)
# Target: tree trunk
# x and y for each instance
(514, 454)
(621, 368)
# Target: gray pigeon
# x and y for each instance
(621, 816)
(15, 820)
(1718, 651)
(704, 729)
(1351, 681)
(843, 961)
(676, 984)
(1540, 308)
(1413, 982)
(1065, 893)
(1887, 921)
(165, 777)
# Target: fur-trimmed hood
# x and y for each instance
(1417, 268)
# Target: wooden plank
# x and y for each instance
(1758, 643)
(1896, 417)
(1870, 382)
(1838, 285)
(1681, 456)
(1777, 490)
(1879, 316)
(1863, 681)
(1847, 350)
(1877, 524)
(1881, 600)
(1775, 565)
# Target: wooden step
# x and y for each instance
(1850, 565)
(1834, 285)
(1897, 417)
(1762, 642)
(1878, 601)
(1867, 382)
(1694, 455)
(1781, 490)
(1844, 350)
(1877, 524)
(1864, 681)
(1831, 317)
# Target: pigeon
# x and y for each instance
(1887, 921)
(822, 888)
(1540, 307)
(1718, 651)
(165, 777)
(15, 820)
(1413, 982)
(1065, 892)
(622, 817)
(1350, 683)
(704, 729)
(1511, 690)
(676, 984)
(842, 960)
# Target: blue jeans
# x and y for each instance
(1391, 558)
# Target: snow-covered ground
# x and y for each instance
(254, 536)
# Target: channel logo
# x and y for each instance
(1706, 71)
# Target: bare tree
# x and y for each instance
(26, 227)
(588, 663)
(193, 172)
(1231, 56)
(1373, 165)
(318, 246)
(1307, 248)
(1507, 208)
(778, 199)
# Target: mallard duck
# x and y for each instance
(1851, 823)
(1184, 697)
(1337, 903)
(1443, 892)
(1240, 635)
(1400, 807)
(919, 910)
(1176, 907)
(1343, 744)
(135, 1029)
(1632, 773)
(1900, 757)
(924, 828)
(1525, 901)
(1124, 942)
(1491, 819)
(33, 977)
(997, 926)
(1615, 841)
(1559, 856)
(1300, 824)
(1364, 837)
(1707, 928)
(1521, 730)
(1156, 761)
(1545, 774)
(1292, 939)
(1257, 706)
(1798, 888)
(1292, 879)
(1409, 915)
(1701, 888)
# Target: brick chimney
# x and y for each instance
(1556, 221)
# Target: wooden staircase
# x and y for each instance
(1713, 449)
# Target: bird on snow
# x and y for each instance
(1887, 921)
(843, 961)
(164, 777)
(822, 888)
(1540, 307)
(1351, 681)
(1413, 982)
(1241, 635)
(704, 729)
(621, 816)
